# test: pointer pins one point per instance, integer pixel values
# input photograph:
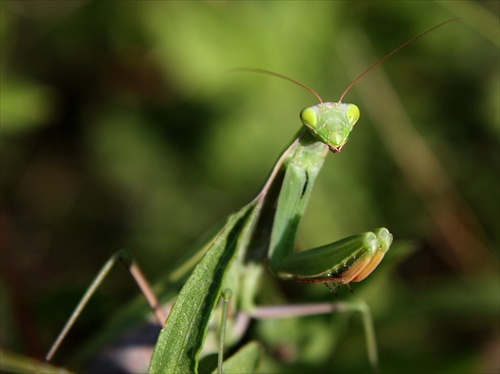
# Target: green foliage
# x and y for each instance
(120, 127)
(14, 363)
(182, 337)
(247, 357)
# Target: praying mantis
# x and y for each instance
(263, 231)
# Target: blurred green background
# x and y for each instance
(120, 127)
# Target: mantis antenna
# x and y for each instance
(393, 52)
(263, 71)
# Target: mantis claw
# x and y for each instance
(331, 287)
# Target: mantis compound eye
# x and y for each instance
(352, 113)
(309, 117)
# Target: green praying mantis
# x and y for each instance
(263, 231)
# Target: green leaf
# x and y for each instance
(182, 338)
(246, 360)
(15, 363)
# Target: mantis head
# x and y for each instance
(330, 123)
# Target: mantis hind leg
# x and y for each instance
(126, 259)
(301, 310)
